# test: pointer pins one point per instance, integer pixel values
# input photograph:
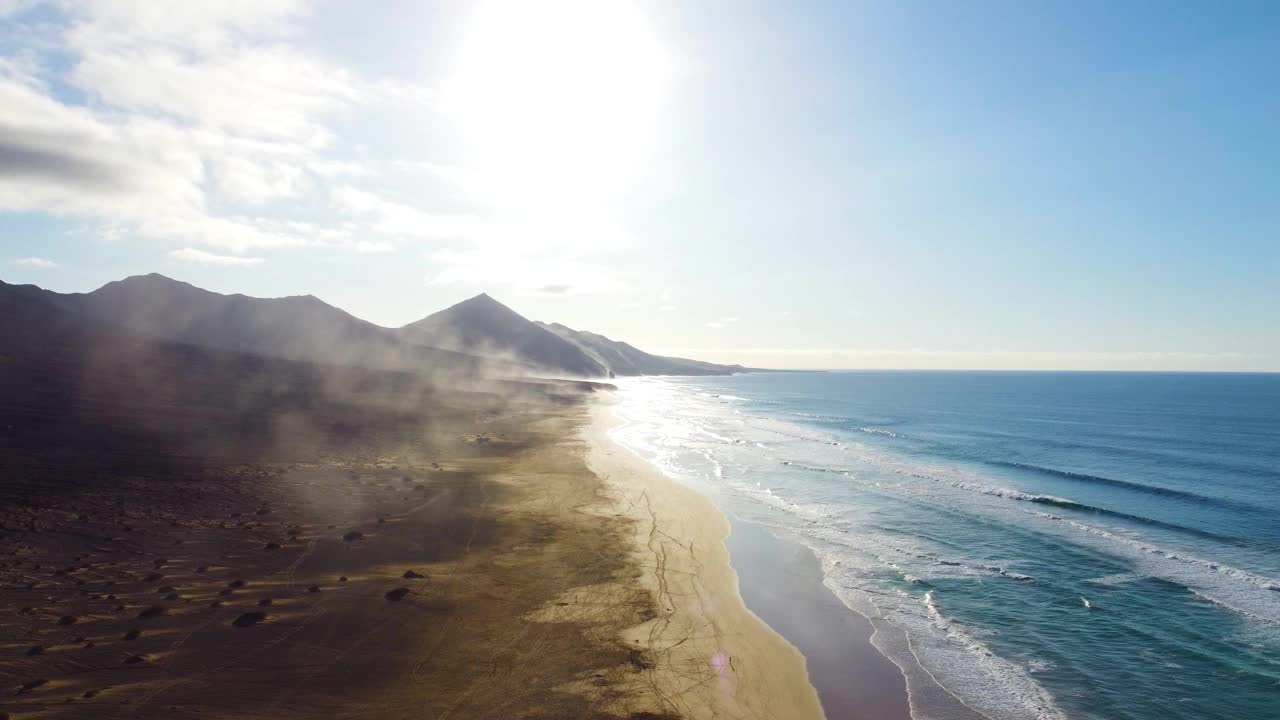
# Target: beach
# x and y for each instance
(713, 657)
(469, 552)
(781, 581)
(407, 575)
(749, 592)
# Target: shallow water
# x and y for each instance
(782, 583)
(1027, 545)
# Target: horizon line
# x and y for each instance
(1010, 370)
(694, 353)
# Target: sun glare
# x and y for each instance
(558, 98)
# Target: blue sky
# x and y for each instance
(1032, 185)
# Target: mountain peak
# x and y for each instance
(483, 325)
(151, 279)
(481, 299)
(151, 282)
(482, 305)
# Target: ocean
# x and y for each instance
(1024, 544)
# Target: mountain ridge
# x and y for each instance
(297, 327)
(624, 359)
(486, 327)
(478, 331)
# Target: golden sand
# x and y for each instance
(711, 657)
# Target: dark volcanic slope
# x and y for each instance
(299, 328)
(623, 359)
(75, 392)
(289, 327)
(476, 336)
(485, 326)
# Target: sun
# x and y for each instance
(559, 97)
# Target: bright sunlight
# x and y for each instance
(557, 100)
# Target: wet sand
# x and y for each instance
(782, 582)
(712, 657)
(765, 588)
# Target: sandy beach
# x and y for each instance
(782, 582)
(712, 657)
(404, 551)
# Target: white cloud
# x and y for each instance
(373, 247)
(37, 262)
(201, 257)
(256, 92)
(460, 177)
(339, 168)
(257, 180)
(11, 7)
(201, 25)
(401, 220)
(221, 130)
(483, 268)
(66, 160)
(667, 308)
(192, 122)
(722, 322)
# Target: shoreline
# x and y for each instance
(707, 654)
(783, 583)
(779, 582)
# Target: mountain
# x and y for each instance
(623, 359)
(484, 326)
(90, 396)
(476, 336)
(302, 326)
(31, 316)
(298, 328)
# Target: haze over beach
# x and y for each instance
(639, 360)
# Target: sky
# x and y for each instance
(1032, 185)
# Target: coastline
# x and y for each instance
(706, 654)
(782, 582)
(458, 563)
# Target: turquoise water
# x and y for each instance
(1027, 545)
